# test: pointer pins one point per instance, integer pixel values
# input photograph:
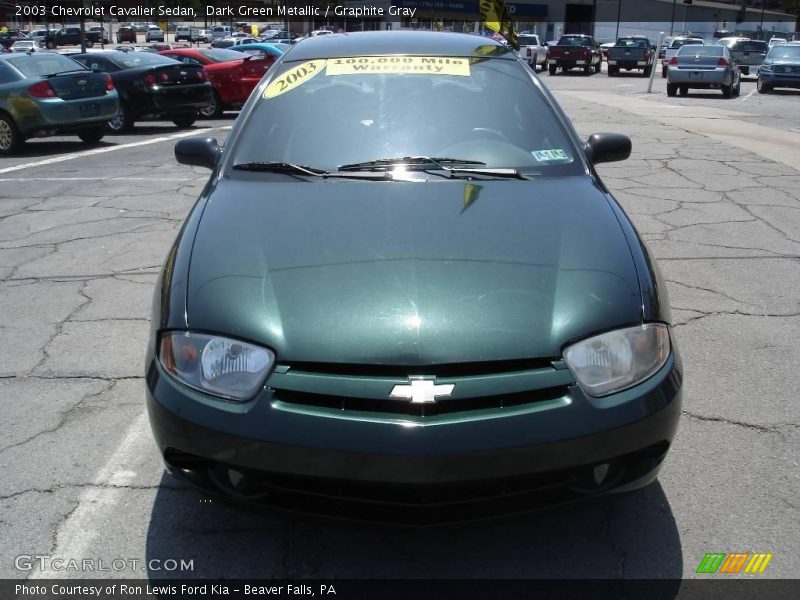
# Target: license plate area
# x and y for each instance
(90, 110)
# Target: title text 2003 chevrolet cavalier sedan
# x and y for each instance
(417, 302)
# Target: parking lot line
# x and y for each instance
(65, 157)
(78, 531)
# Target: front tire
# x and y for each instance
(89, 43)
(762, 87)
(50, 45)
(92, 136)
(11, 139)
(184, 121)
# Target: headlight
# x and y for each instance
(620, 359)
(218, 365)
(767, 68)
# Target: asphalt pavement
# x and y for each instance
(83, 232)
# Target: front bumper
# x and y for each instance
(790, 80)
(461, 469)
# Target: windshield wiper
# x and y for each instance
(407, 160)
(429, 164)
(293, 169)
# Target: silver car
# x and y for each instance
(703, 68)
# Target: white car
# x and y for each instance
(26, 46)
(153, 34)
(532, 51)
(673, 48)
(182, 32)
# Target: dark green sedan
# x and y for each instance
(405, 295)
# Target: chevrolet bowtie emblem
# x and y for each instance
(421, 391)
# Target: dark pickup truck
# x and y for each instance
(631, 52)
(71, 36)
(575, 51)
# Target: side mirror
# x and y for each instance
(607, 147)
(198, 152)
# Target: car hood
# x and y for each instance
(411, 273)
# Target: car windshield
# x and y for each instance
(351, 110)
(573, 40)
(220, 54)
(139, 59)
(701, 51)
(780, 52)
(40, 64)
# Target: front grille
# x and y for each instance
(443, 370)
(405, 407)
(785, 69)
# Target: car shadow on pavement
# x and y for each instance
(632, 535)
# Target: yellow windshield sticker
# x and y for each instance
(430, 65)
(288, 80)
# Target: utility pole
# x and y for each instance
(619, 14)
(672, 19)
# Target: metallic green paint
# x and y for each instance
(395, 273)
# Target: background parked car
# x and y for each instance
(182, 32)
(221, 31)
(781, 68)
(232, 74)
(44, 94)
(674, 46)
(263, 50)
(45, 38)
(126, 34)
(574, 51)
(703, 67)
(748, 54)
(201, 35)
(631, 52)
(71, 36)
(532, 50)
(102, 34)
(26, 46)
(7, 38)
(151, 86)
(153, 34)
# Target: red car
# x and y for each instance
(232, 74)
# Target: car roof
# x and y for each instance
(415, 43)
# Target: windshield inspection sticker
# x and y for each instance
(292, 78)
(550, 155)
(430, 65)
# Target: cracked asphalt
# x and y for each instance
(81, 241)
